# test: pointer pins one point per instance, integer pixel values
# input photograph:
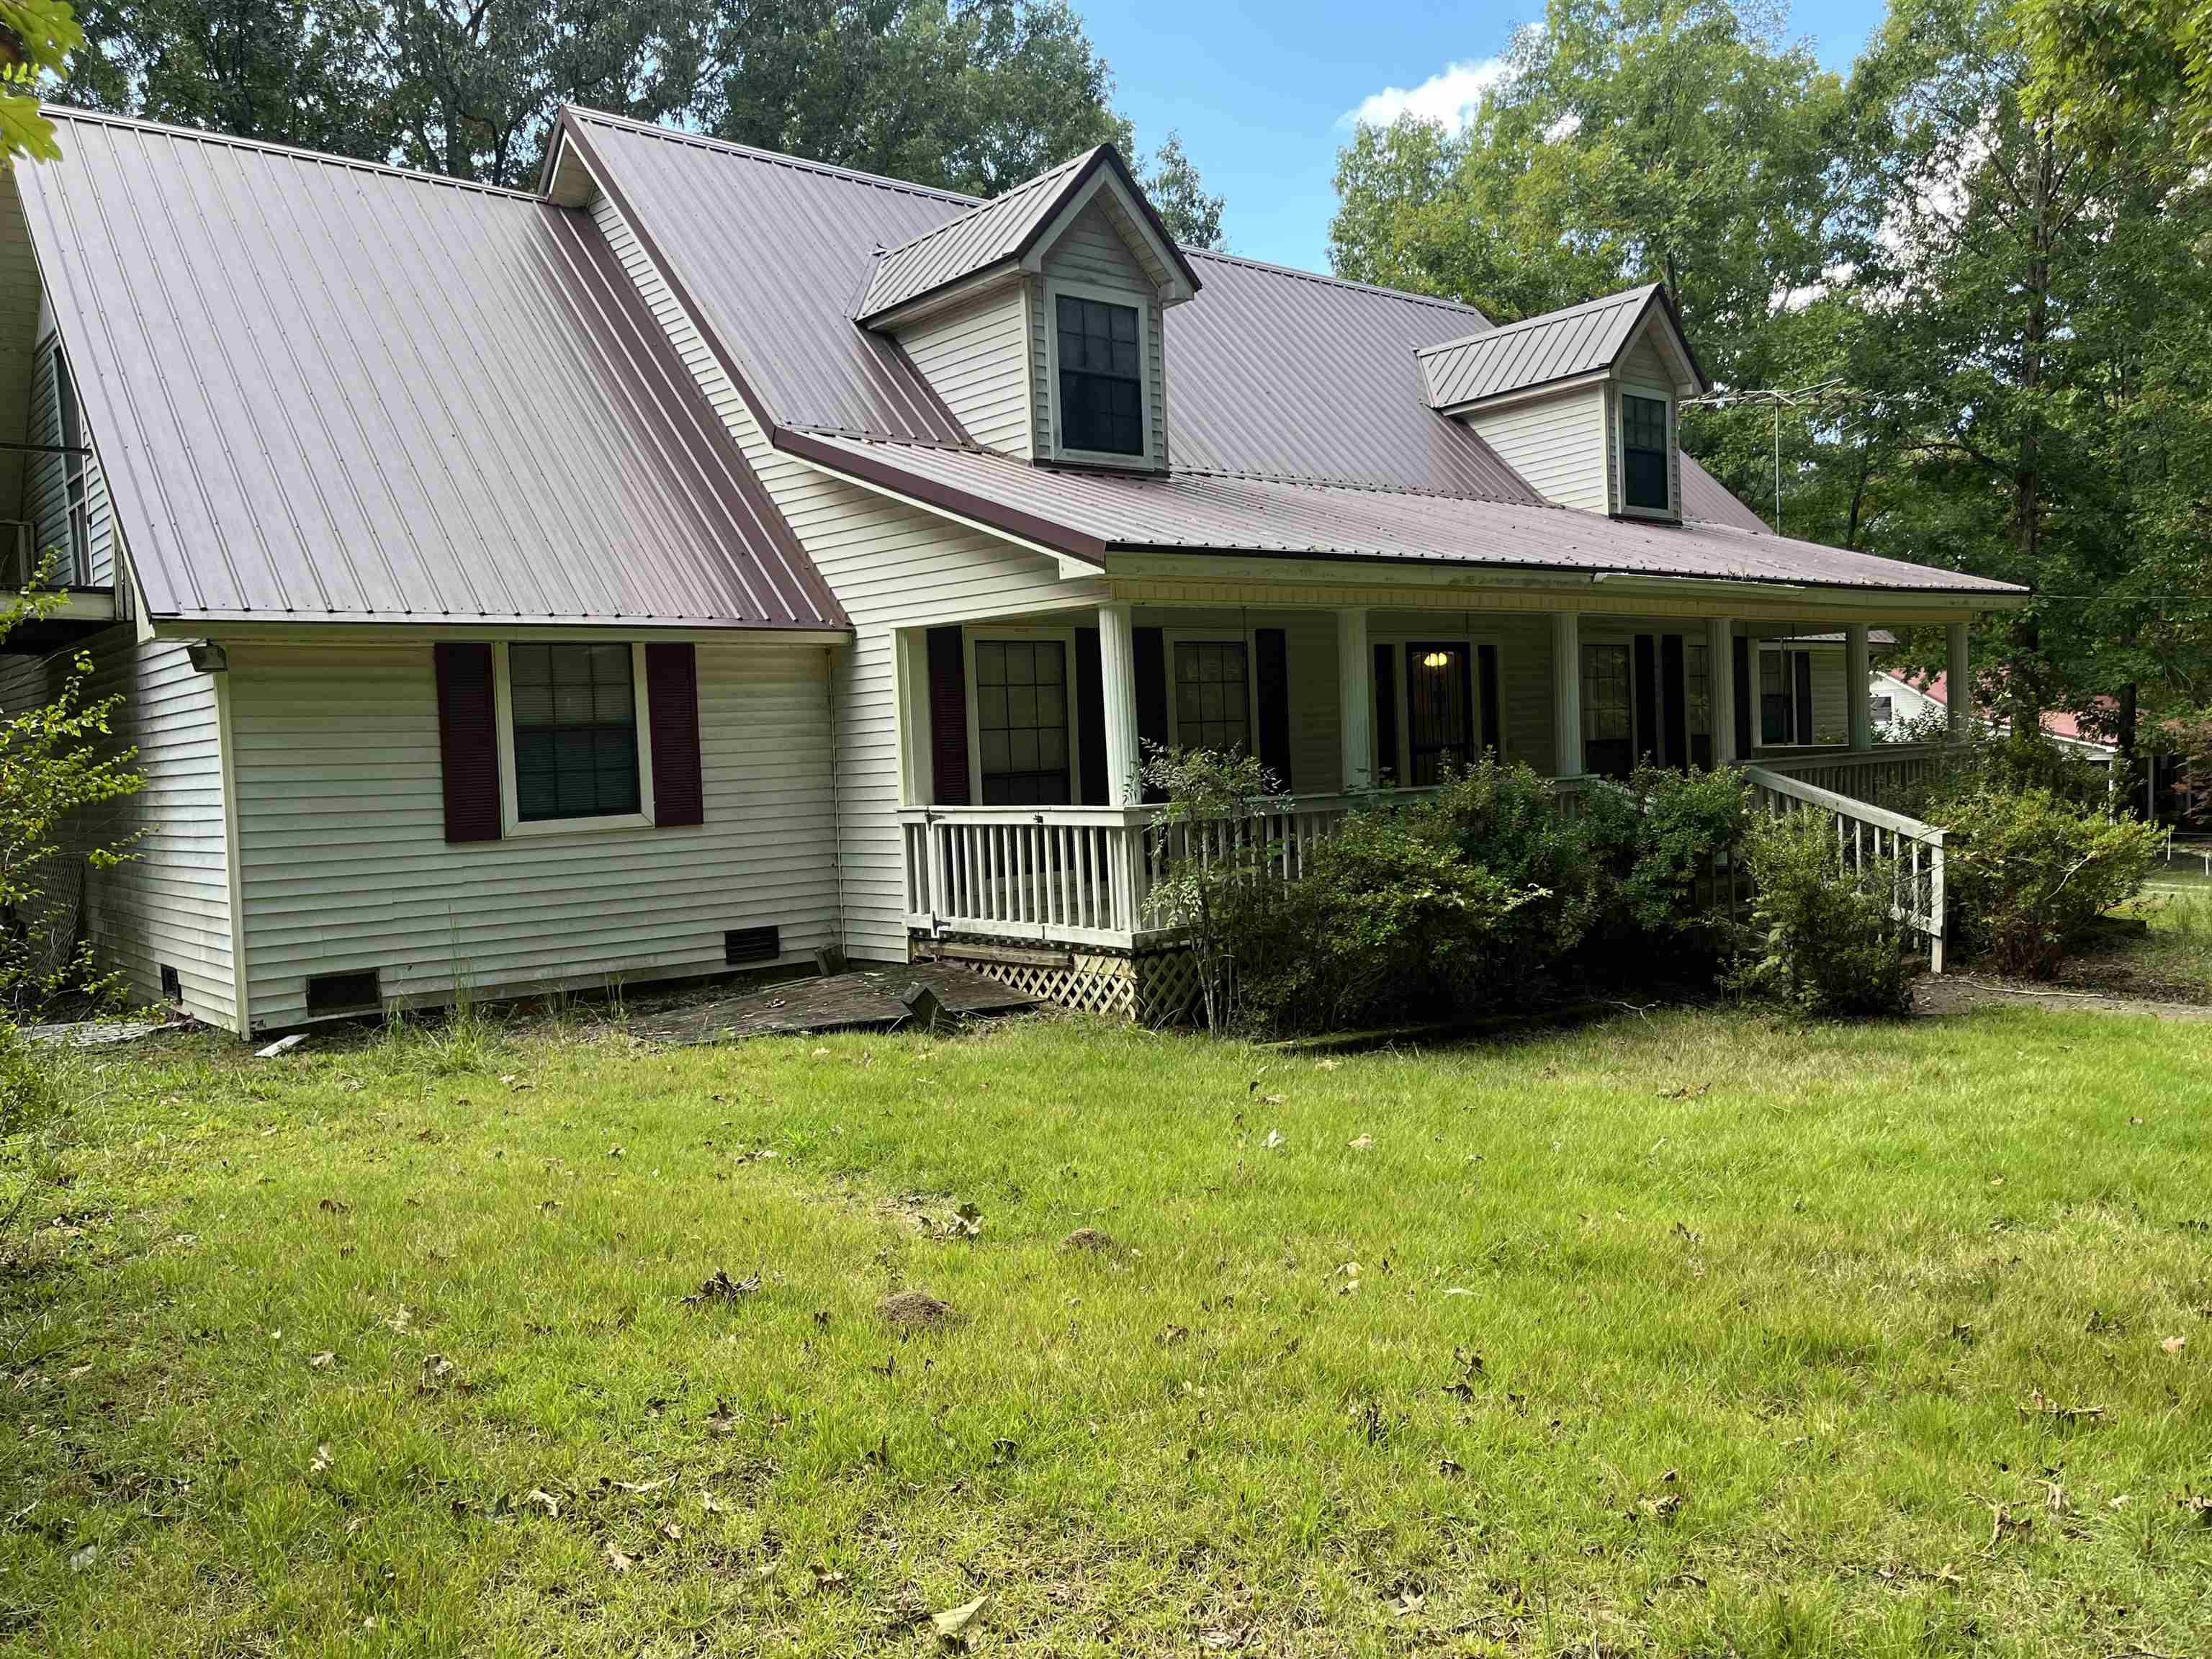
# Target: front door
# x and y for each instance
(1439, 710)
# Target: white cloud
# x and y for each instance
(1450, 97)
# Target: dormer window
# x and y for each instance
(1101, 383)
(1645, 461)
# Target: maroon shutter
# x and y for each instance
(671, 703)
(468, 741)
(1273, 671)
(948, 718)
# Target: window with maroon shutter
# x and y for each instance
(671, 687)
(468, 741)
(948, 718)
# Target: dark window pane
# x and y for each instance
(1644, 453)
(575, 710)
(1213, 700)
(1021, 722)
(1101, 377)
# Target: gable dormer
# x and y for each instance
(1035, 317)
(1582, 403)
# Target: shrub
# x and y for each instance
(1823, 937)
(1663, 868)
(1389, 922)
(1202, 788)
(1506, 819)
(2026, 873)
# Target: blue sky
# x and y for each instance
(1260, 92)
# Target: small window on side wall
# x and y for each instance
(575, 732)
(1645, 461)
(1102, 388)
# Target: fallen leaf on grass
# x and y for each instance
(826, 1579)
(2037, 1404)
(436, 1368)
(951, 1624)
(1275, 1139)
(323, 1459)
(545, 1500)
(80, 1559)
(672, 1532)
(334, 1207)
(720, 1287)
(402, 1319)
(644, 1485)
(516, 1082)
(1360, 1143)
(721, 1419)
(1408, 1602)
(2196, 1505)
(617, 1560)
(1450, 1467)
(2174, 1344)
(1221, 1641)
(323, 1361)
(711, 1504)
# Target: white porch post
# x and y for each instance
(1117, 679)
(910, 671)
(1958, 683)
(1858, 686)
(1567, 694)
(1355, 699)
(1720, 683)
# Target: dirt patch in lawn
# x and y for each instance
(1953, 993)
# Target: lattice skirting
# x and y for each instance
(1159, 988)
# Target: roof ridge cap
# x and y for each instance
(777, 158)
(1369, 486)
(294, 152)
(1274, 269)
(1624, 295)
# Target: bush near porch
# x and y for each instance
(1683, 1334)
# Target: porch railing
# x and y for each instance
(1881, 774)
(1866, 833)
(1090, 875)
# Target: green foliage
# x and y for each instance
(973, 95)
(2026, 872)
(38, 37)
(1823, 939)
(1483, 895)
(1389, 923)
(58, 763)
(1212, 837)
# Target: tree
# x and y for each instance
(2107, 60)
(1192, 216)
(36, 39)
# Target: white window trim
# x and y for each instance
(1609, 642)
(1660, 395)
(512, 824)
(1248, 638)
(968, 638)
(1801, 739)
(1141, 300)
(1401, 765)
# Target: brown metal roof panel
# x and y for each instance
(1261, 516)
(323, 389)
(979, 238)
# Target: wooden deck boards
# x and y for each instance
(865, 999)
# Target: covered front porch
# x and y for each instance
(1025, 829)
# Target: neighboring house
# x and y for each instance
(713, 555)
(1906, 703)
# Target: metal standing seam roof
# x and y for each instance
(1559, 345)
(1096, 512)
(1002, 230)
(1298, 420)
(326, 390)
(1274, 373)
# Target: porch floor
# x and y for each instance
(864, 999)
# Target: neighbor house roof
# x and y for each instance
(1001, 231)
(2061, 723)
(1537, 351)
(325, 390)
(1090, 513)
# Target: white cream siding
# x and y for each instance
(891, 566)
(45, 497)
(976, 360)
(1558, 443)
(1309, 646)
(345, 865)
(1091, 251)
(168, 903)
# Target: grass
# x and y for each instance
(1686, 1334)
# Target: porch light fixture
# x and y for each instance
(207, 656)
(1436, 660)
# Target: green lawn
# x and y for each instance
(1694, 1334)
